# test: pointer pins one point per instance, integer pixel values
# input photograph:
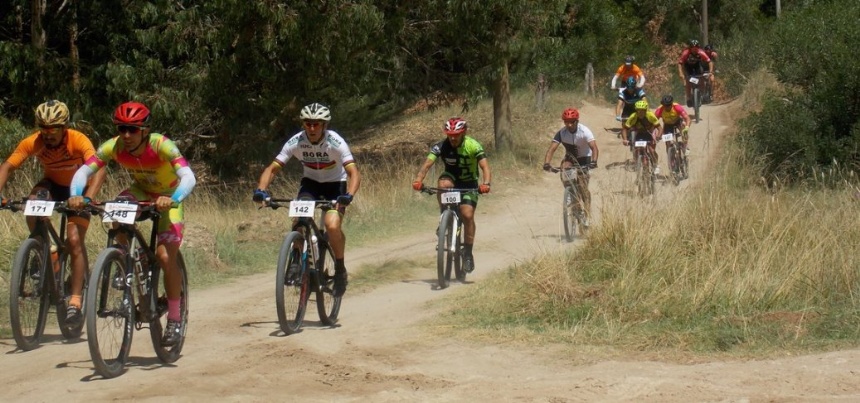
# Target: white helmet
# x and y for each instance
(315, 111)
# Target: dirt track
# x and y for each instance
(235, 351)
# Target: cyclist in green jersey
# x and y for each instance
(462, 156)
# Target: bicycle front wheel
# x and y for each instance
(674, 164)
(328, 306)
(159, 322)
(568, 215)
(28, 297)
(292, 288)
(697, 103)
(110, 313)
(444, 252)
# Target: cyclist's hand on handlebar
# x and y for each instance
(417, 186)
(344, 199)
(592, 165)
(618, 118)
(261, 195)
(78, 202)
(547, 167)
(163, 203)
(483, 189)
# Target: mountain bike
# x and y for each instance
(305, 264)
(41, 274)
(676, 156)
(449, 234)
(699, 91)
(645, 177)
(573, 212)
(126, 293)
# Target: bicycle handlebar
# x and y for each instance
(18, 205)
(432, 190)
(275, 203)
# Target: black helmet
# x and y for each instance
(694, 42)
(629, 60)
(667, 100)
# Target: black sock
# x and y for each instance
(338, 265)
(467, 249)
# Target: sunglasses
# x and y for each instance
(311, 125)
(51, 129)
(571, 121)
(128, 129)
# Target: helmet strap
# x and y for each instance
(143, 140)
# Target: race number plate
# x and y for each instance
(640, 144)
(694, 80)
(668, 137)
(119, 212)
(569, 174)
(302, 208)
(451, 197)
(39, 208)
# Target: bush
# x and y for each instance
(817, 125)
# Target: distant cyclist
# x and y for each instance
(643, 126)
(579, 147)
(674, 117)
(627, 70)
(627, 98)
(691, 64)
(461, 156)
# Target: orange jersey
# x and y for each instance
(625, 71)
(59, 164)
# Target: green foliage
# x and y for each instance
(815, 123)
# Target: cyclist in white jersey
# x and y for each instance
(580, 149)
(330, 173)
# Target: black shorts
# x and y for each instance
(693, 70)
(313, 190)
(581, 161)
(58, 193)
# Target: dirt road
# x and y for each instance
(380, 352)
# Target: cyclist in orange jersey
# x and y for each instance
(627, 70)
(61, 151)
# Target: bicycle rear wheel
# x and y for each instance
(29, 299)
(444, 252)
(291, 289)
(110, 313)
(568, 214)
(328, 306)
(64, 277)
(159, 322)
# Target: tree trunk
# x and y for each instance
(38, 40)
(74, 55)
(503, 137)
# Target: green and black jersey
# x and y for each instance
(461, 163)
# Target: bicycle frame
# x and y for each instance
(644, 168)
(573, 203)
(449, 235)
(675, 155)
(140, 277)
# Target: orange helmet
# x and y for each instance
(570, 114)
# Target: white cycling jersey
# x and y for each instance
(575, 144)
(322, 162)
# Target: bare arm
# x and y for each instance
(423, 171)
(594, 152)
(268, 175)
(5, 169)
(549, 152)
(485, 171)
(354, 179)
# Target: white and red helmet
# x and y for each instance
(455, 126)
